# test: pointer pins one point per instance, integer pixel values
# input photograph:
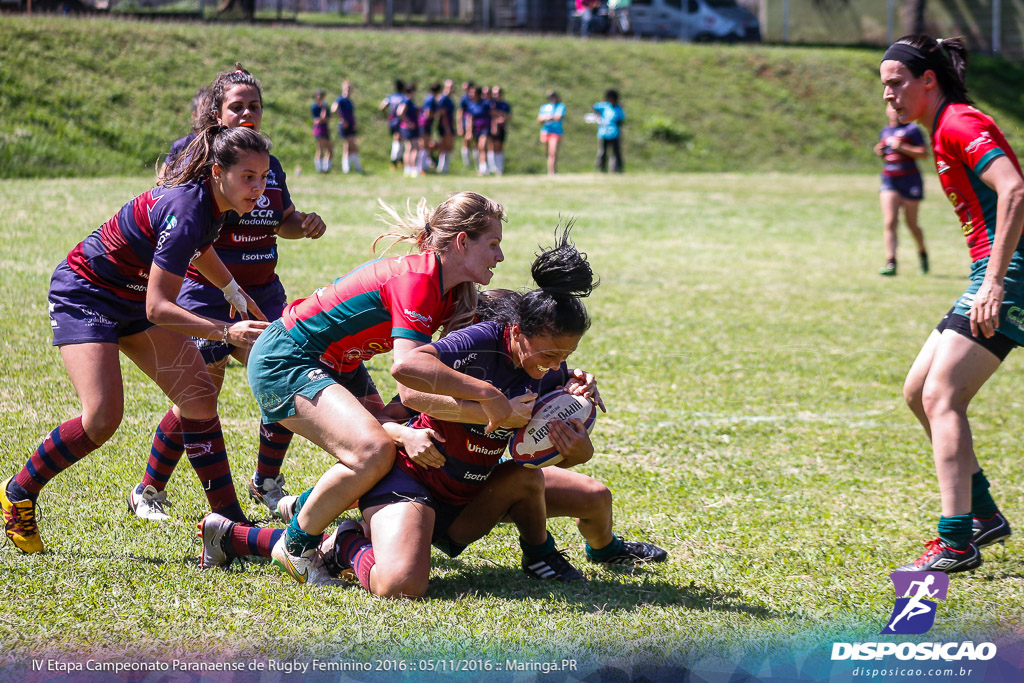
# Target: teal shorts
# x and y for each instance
(279, 370)
(1011, 315)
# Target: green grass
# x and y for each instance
(91, 97)
(752, 363)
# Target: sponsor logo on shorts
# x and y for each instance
(1016, 316)
(316, 375)
(269, 400)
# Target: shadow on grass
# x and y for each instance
(606, 590)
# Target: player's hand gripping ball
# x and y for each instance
(531, 445)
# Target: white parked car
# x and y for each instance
(697, 20)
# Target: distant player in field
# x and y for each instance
(899, 145)
(308, 375)
(501, 117)
(247, 245)
(409, 128)
(389, 105)
(551, 116)
(321, 115)
(428, 115)
(979, 173)
(117, 292)
(200, 105)
(347, 132)
(446, 128)
(464, 125)
(478, 129)
(609, 132)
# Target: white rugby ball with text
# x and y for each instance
(531, 445)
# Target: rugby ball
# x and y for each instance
(531, 445)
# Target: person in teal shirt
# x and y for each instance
(608, 133)
(551, 115)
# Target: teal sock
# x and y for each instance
(982, 505)
(956, 531)
(535, 552)
(301, 501)
(297, 541)
(605, 553)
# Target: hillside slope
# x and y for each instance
(95, 97)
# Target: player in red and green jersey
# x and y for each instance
(924, 82)
(307, 373)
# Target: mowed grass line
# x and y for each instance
(752, 362)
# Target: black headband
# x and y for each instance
(908, 55)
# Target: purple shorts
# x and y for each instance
(321, 131)
(398, 486)
(84, 313)
(908, 186)
(209, 302)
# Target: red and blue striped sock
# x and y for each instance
(165, 452)
(62, 448)
(358, 552)
(250, 540)
(274, 440)
(204, 446)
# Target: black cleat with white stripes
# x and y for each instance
(555, 566)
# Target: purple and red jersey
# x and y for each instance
(479, 112)
(166, 226)
(177, 147)
(482, 351)
(896, 163)
(965, 141)
(410, 115)
(361, 313)
(248, 244)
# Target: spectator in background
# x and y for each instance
(586, 10)
(346, 112)
(618, 16)
(321, 132)
(551, 115)
(608, 133)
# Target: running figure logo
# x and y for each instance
(916, 592)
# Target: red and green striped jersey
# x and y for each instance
(965, 141)
(361, 313)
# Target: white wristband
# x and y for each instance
(233, 295)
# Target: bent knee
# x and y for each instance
(372, 455)
(401, 587)
(100, 426)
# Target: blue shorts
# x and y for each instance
(398, 486)
(209, 302)
(394, 126)
(410, 133)
(344, 132)
(84, 313)
(908, 186)
(279, 370)
(1011, 313)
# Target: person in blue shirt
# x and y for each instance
(321, 132)
(346, 112)
(608, 133)
(551, 115)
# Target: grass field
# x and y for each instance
(752, 363)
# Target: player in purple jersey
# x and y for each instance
(428, 114)
(446, 128)
(321, 115)
(923, 80)
(247, 245)
(899, 145)
(389, 105)
(478, 126)
(456, 493)
(409, 129)
(501, 116)
(463, 127)
(346, 112)
(116, 292)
